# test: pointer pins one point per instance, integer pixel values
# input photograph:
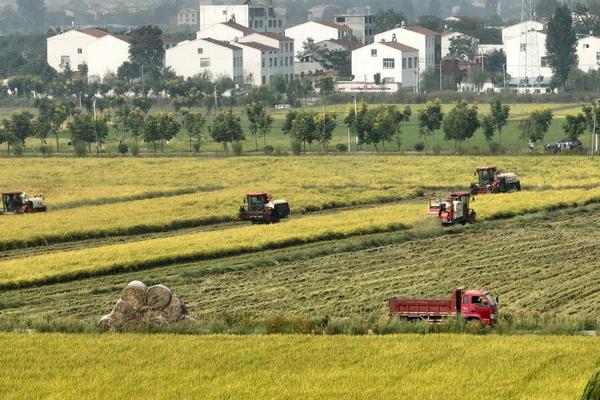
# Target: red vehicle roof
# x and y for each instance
(257, 194)
(456, 194)
(489, 167)
(12, 193)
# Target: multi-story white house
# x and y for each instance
(527, 60)
(317, 31)
(362, 25)
(260, 16)
(395, 62)
(279, 61)
(588, 52)
(199, 56)
(106, 55)
(513, 31)
(426, 41)
(71, 48)
(258, 62)
(188, 17)
(225, 31)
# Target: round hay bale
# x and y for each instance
(155, 318)
(592, 390)
(186, 319)
(158, 297)
(174, 310)
(124, 314)
(105, 321)
(135, 294)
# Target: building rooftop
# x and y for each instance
(239, 27)
(399, 46)
(221, 43)
(259, 46)
(275, 36)
(93, 32)
(332, 25)
(422, 30)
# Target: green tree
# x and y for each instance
(430, 118)
(255, 112)
(546, 8)
(463, 47)
(461, 122)
(226, 128)
(384, 126)
(134, 123)
(265, 123)
(488, 127)
(81, 128)
(574, 125)
(500, 114)
(146, 50)
(303, 128)
(143, 103)
(534, 127)
(286, 128)
(22, 126)
(399, 117)
(101, 132)
(325, 124)
(168, 128)
(326, 85)
(151, 130)
(561, 44)
(193, 123)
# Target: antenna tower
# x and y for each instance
(529, 57)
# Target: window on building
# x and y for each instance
(523, 47)
(264, 80)
(263, 63)
(410, 63)
(79, 51)
(200, 50)
(404, 63)
(270, 24)
(291, 60)
(275, 61)
(415, 61)
(286, 61)
(260, 23)
(340, 20)
(204, 62)
(65, 60)
(389, 63)
(279, 23)
(544, 61)
(270, 62)
(586, 46)
(597, 56)
(286, 47)
(373, 52)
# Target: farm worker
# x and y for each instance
(531, 145)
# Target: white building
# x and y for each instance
(395, 62)
(188, 17)
(531, 67)
(71, 48)
(318, 31)
(588, 52)
(258, 62)
(199, 56)
(513, 31)
(484, 49)
(225, 31)
(362, 25)
(260, 16)
(106, 55)
(426, 41)
(277, 62)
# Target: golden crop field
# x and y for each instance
(99, 197)
(144, 253)
(418, 367)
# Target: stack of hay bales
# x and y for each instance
(140, 304)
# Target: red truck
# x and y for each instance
(470, 304)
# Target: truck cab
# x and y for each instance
(478, 305)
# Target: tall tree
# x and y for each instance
(146, 49)
(430, 118)
(574, 126)
(194, 122)
(226, 128)
(265, 123)
(561, 44)
(388, 19)
(303, 128)
(22, 126)
(82, 128)
(325, 124)
(461, 122)
(254, 112)
(134, 123)
(499, 113)
(534, 127)
(168, 128)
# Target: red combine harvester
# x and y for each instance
(473, 305)
(261, 209)
(493, 180)
(454, 210)
(19, 203)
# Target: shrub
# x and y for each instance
(17, 149)
(341, 148)
(135, 149)
(123, 148)
(237, 148)
(296, 147)
(80, 149)
(496, 148)
(269, 149)
(419, 146)
(437, 149)
(196, 147)
(592, 389)
(44, 149)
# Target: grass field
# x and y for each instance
(292, 367)
(410, 135)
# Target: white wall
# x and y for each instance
(512, 48)
(285, 54)
(106, 55)
(365, 64)
(253, 58)
(220, 32)
(514, 31)
(425, 44)
(185, 59)
(313, 30)
(588, 51)
(214, 14)
(72, 44)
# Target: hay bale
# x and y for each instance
(186, 319)
(158, 297)
(124, 314)
(106, 321)
(154, 318)
(592, 389)
(135, 294)
(174, 310)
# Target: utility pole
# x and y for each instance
(355, 122)
(594, 138)
(95, 127)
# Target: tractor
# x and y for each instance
(19, 203)
(493, 180)
(454, 210)
(260, 208)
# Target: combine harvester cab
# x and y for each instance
(259, 208)
(493, 180)
(472, 305)
(19, 203)
(455, 209)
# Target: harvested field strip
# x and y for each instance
(155, 252)
(258, 367)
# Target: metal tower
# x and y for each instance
(529, 57)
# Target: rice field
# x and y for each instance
(292, 367)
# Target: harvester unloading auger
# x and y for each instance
(260, 208)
